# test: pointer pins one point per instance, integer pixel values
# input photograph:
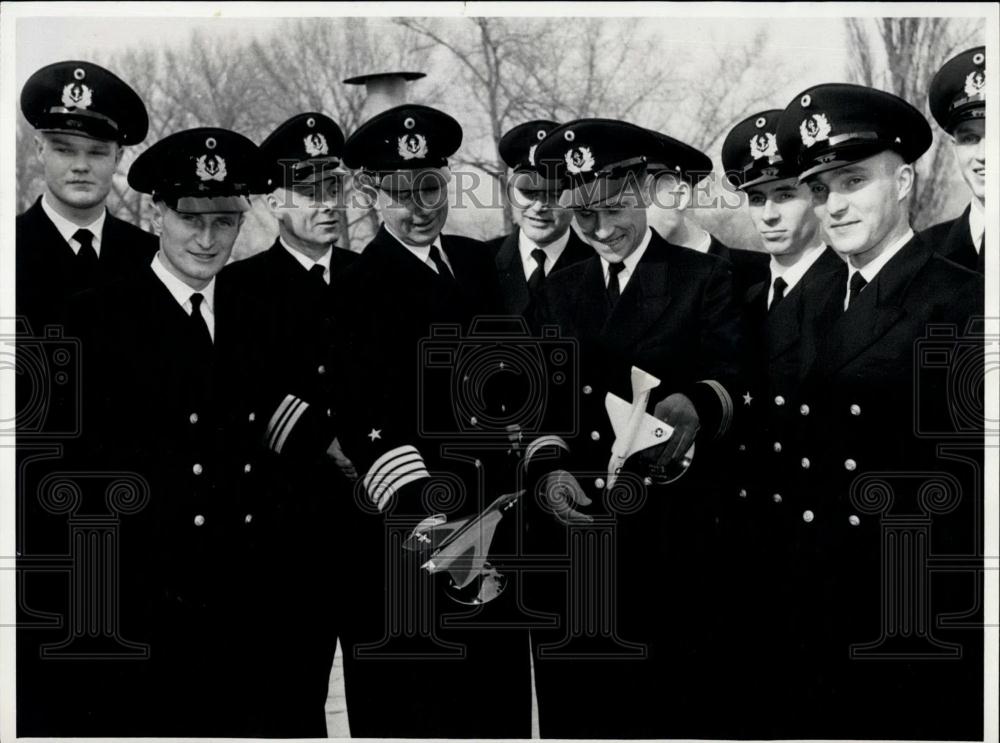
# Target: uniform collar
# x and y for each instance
(792, 274)
(305, 261)
(870, 271)
(632, 260)
(552, 251)
(423, 252)
(67, 229)
(703, 245)
(977, 223)
(181, 291)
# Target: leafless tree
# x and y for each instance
(901, 55)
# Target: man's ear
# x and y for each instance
(684, 194)
(905, 180)
(119, 151)
(157, 221)
(39, 146)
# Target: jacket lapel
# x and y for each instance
(513, 285)
(644, 300)
(876, 309)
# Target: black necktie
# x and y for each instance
(981, 260)
(319, 273)
(779, 291)
(614, 290)
(198, 320)
(442, 267)
(538, 275)
(86, 256)
(858, 282)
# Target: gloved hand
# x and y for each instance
(345, 465)
(560, 494)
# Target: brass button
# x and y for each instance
(742, 447)
(779, 401)
(595, 436)
(247, 467)
(199, 520)
(197, 469)
(804, 409)
(776, 498)
(599, 483)
(855, 410)
(808, 516)
(805, 463)
(248, 518)
(853, 520)
(587, 389)
(474, 421)
(321, 370)
(193, 418)
(777, 447)
(252, 417)
(850, 465)
(743, 492)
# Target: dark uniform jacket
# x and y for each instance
(749, 266)
(192, 548)
(416, 663)
(46, 263)
(676, 320)
(755, 517)
(510, 269)
(953, 240)
(881, 387)
(287, 316)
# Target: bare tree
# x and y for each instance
(901, 55)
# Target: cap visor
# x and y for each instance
(602, 191)
(532, 179)
(211, 204)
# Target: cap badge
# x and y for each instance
(814, 129)
(412, 146)
(579, 160)
(975, 83)
(316, 144)
(210, 168)
(764, 144)
(531, 154)
(76, 95)
(769, 172)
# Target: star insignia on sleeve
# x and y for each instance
(376, 433)
(747, 399)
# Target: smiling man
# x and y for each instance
(287, 294)
(410, 669)
(754, 506)
(168, 395)
(543, 241)
(958, 102)
(67, 241)
(862, 450)
(643, 302)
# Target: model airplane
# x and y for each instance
(635, 429)
(461, 547)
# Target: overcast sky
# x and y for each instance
(813, 43)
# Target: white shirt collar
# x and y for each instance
(423, 252)
(630, 262)
(794, 273)
(552, 252)
(703, 245)
(977, 223)
(67, 229)
(307, 263)
(870, 271)
(182, 292)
